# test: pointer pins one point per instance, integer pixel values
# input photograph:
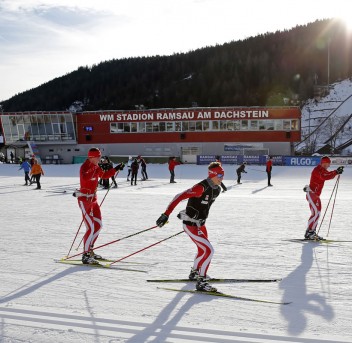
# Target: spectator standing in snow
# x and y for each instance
(200, 198)
(240, 170)
(144, 168)
(269, 168)
(26, 168)
(317, 179)
(90, 172)
(37, 172)
(134, 171)
(172, 164)
(129, 162)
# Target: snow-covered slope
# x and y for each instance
(337, 106)
(45, 302)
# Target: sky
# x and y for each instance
(44, 39)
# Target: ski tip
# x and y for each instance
(108, 265)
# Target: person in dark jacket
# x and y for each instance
(143, 164)
(134, 171)
(200, 198)
(239, 171)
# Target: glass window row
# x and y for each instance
(213, 125)
(38, 127)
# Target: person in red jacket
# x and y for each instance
(172, 164)
(269, 167)
(318, 177)
(90, 172)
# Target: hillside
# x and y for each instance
(326, 122)
(263, 70)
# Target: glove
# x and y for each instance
(162, 220)
(120, 166)
(339, 170)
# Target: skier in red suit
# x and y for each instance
(90, 172)
(200, 197)
(318, 177)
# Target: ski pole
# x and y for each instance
(149, 246)
(333, 204)
(321, 223)
(263, 171)
(116, 240)
(85, 214)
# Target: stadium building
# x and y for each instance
(63, 137)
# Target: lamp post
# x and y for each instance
(309, 147)
(329, 61)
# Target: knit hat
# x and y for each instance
(325, 159)
(215, 171)
(94, 152)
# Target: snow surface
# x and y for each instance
(43, 301)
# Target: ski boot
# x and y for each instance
(87, 259)
(193, 275)
(312, 236)
(204, 286)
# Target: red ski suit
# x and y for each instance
(201, 196)
(89, 177)
(318, 177)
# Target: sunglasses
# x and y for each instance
(220, 176)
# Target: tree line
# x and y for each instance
(271, 69)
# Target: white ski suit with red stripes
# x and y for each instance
(87, 201)
(200, 198)
(318, 177)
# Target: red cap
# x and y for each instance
(94, 152)
(325, 159)
(215, 171)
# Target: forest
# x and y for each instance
(272, 69)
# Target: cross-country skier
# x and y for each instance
(200, 197)
(318, 177)
(90, 172)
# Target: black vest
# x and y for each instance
(198, 208)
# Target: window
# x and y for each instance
(236, 125)
(269, 124)
(169, 126)
(199, 126)
(148, 127)
(286, 125)
(133, 127)
(185, 126)
(294, 124)
(126, 127)
(278, 124)
(244, 124)
(215, 125)
(192, 126)
(206, 125)
(253, 125)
